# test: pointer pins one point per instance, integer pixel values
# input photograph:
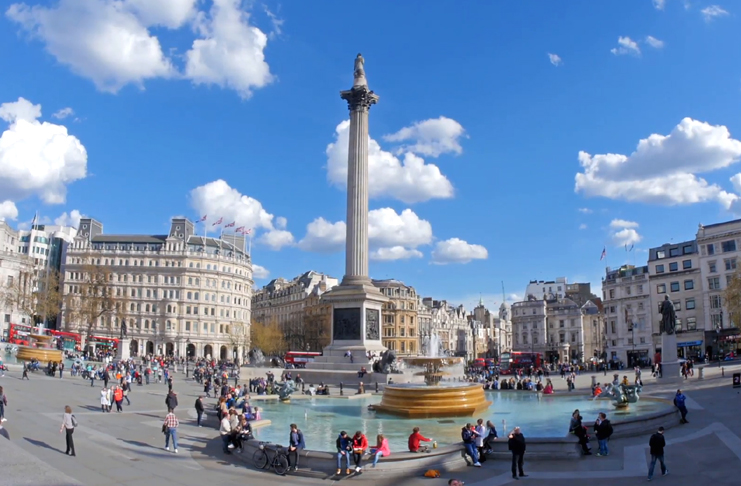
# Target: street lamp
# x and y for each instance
(187, 355)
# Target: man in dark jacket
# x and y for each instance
(657, 444)
(344, 449)
(517, 446)
(468, 434)
(199, 409)
(603, 431)
(171, 400)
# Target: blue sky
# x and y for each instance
(487, 115)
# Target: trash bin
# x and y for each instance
(737, 380)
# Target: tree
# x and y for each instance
(732, 298)
(37, 296)
(268, 337)
(91, 298)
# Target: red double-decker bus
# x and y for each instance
(19, 333)
(299, 358)
(70, 340)
(516, 360)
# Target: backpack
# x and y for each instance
(74, 421)
(432, 473)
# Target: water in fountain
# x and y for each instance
(433, 346)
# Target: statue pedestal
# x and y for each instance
(669, 360)
(124, 349)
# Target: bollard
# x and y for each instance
(376, 387)
(594, 381)
(701, 376)
(340, 388)
(723, 371)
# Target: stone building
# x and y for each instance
(626, 298)
(503, 324)
(494, 337)
(180, 294)
(450, 324)
(529, 325)
(399, 325)
(318, 318)
(720, 249)
(14, 265)
(547, 289)
(286, 303)
(674, 272)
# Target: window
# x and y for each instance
(729, 245)
(687, 249)
(627, 290)
(674, 252)
(715, 302)
(717, 321)
(673, 267)
(689, 284)
(640, 306)
(711, 267)
(640, 289)
(686, 264)
(561, 323)
(711, 249)
(562, 338)
(730, 264)
(612, 293)
(661, 289)
(573, 337)
(187, 323)
(612, 327)
(659, 268)
(714, 283)
(689, 304)
(612, 309)
(660, 254)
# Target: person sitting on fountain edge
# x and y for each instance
(468, 434)
(415, 439)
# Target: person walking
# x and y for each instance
(3, 404)
(61, 369)
(199, 409)
(118, 398)
(171, 400)
(170, 428)
(68, 425)
(603, 431)
(679, 402)
(657, 443)
(25, 372)
(105, 405)
(295, 444)
(517, 446)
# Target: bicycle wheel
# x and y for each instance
(260, 459)
(280, 464)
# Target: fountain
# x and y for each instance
(40, 348)
(434, 398)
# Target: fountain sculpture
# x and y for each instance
(285, 389)
(433, 399)
(622, 395)
(40, 348)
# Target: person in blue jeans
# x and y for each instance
(657, 444)
(171, 421)
(344, 449)
(603, 430)
(468, 434)
(679, 402)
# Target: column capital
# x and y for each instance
(359, 98)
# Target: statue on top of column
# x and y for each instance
(359, 72)
(668, 316)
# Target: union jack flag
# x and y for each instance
(203, 218)
(239, 230)
(246, 231)
(219, 221)
(604, 253)
(230, 224)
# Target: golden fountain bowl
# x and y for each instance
(27, 353)
(42, 338)
(422, 401)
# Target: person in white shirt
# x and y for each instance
(225, 430)
(481, 431)
(312, 390)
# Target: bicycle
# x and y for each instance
(279, 462)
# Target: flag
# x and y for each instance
(247, 231)
(604, 253)
(230, 224)
(239, 230)
(218, 221)
(33, 222)
(631, 247)
(203, 218)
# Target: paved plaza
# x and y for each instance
(127, 448)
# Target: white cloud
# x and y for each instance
(626, 45)
(70, 219)
(391, 235)
(323, 236)
(218, 200)
(63, 113)
(585, 210)
(281, 222)
(431, 137)
(167, 13)
(624, 232)
(100, 40)
(622, 223)
(456, 250)
(394, 253)
(555, 59)
(582, 226)
(410, 180)
(659, 4)
(663, 168)
(231, 52)
(712, 12)
(37, 159)
(259, 272)
(654, 42)
(276, 239)
(8, 211)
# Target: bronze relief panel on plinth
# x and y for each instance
(346, 324)
(372, 326)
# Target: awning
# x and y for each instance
(689, 343)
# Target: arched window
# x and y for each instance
(169, 308)
(146, 324)
(196, 296)
(132, 307)
(169, 325)
(190, 295)
(138, 307)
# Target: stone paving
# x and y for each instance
(127, 448)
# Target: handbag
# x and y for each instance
(165, 429)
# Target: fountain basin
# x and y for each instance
(412, 400)
(42, 350)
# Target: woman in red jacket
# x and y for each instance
(359, 445)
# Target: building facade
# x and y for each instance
(14, 266)
(547, 289)
(674, 272)
(285, 303)
(626, 298)
(719, 251)
(451, 325)
(179, 294)
(400, 327)
(529, 325)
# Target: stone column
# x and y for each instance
(359, 100)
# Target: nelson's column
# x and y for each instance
(356, 302)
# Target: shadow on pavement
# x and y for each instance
(39, 443)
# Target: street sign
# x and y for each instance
(737, 380)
